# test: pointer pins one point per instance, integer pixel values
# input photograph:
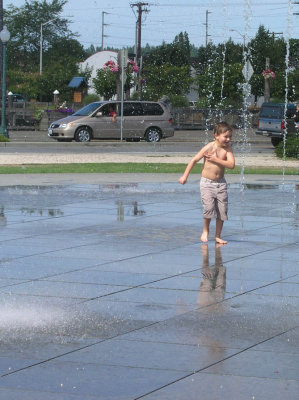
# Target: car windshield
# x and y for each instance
(87, 110)
(271, 112)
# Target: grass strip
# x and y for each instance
(122, 168)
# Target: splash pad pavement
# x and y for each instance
(107, 292)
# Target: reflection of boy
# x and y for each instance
(213, 284)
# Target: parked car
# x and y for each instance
(274, 120)
(102, 120)
(15, 99)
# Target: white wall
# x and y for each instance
(96, 61)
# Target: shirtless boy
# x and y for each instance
(217, 156)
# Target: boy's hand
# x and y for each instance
(211, 156)
(183, 180)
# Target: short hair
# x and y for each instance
(222, 127)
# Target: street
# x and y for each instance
(183, 142)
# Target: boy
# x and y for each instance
(217, 155)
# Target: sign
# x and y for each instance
(247, 70)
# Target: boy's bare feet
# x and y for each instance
(220, 241)
(204, 237)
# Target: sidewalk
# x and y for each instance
(179, 135)
(88, 154)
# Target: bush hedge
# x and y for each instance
(291, 148)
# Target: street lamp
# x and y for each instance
(4, 36)
(41, 45)
(243, 36)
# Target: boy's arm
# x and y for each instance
(194, 160)
(228, 163)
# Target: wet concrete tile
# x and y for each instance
(239, 322)
(15, 394)
(105, 277)
(294, 279)
(83, 379)
(211, 387)
(282, 289)
(6, 282)
(63, 289)
(260, 364)
(137, 311)
(285, 343)
(157, 264)
(41, 267)
(163, 356)
(157, 296)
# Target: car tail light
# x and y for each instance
(283, 125)
(170, 120)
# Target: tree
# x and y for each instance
(262, 46)
(61, 51)
(216, 92)
(105, 83)
(177, 53)
(165, 79)
(24, 24)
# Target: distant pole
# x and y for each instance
(139, 24)
(103, 26)
(1, 27)
(207, 26)
(267, 83)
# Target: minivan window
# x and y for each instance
(87, 110)
(133, 109)
(271, 112)
(108, 108)
(152, 109)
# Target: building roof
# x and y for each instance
(78, 81)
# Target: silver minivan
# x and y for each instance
(147, 120)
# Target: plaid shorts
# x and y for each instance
(214, 198)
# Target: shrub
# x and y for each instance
(89, 98)
(3, 138)
(291, 148)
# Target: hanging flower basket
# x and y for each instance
(268, 73)
(111, 65)
(131, 66)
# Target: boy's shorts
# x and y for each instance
(214, 198)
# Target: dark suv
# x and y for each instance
(274, 121)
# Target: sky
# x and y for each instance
(163, 20)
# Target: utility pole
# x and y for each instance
(267, 83)
(103, 25)
(1, 27)
(140, 10)
(207, 26)
(276, 33)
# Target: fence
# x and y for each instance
(187, 118)
(26, 117)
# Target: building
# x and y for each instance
(96, 61)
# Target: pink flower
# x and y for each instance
(268, 73)
(132, 66)
(111, 65)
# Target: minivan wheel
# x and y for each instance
(153, 135)
(275, 141)
(83, 135)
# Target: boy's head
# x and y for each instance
(222, 127)
(223, 134)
